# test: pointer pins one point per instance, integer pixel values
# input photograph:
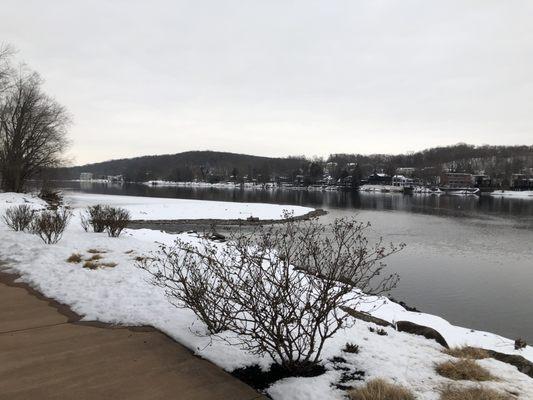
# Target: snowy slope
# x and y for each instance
(124, 295)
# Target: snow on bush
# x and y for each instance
(280, 290)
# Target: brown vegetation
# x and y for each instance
(464, 369)
(380, 389)
(95, 257)
(479, 393)
(74, 258)
(90, 265)
(473, 353)
(96, 251)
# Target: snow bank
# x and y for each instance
(16, 199)
(157, 208)
(124, 295)
(526, 194)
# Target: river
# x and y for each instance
(467, 259)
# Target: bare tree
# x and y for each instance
(6, 52)
(32, 131)
(280, 290)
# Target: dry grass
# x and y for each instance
(129, 251)
(109, 264)
(96, 251)
(95, 257)
(379, 389)
(74, 258)
(473, 353)
(90, 265)
(464, 369)
(479, 393)
(140, 258)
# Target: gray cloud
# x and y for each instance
(281, 77)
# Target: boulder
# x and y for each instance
(523, 365)
(365, 317)
(427, 332)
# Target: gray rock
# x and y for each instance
(523, 365)
(427, 332)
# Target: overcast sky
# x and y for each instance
(280, 77)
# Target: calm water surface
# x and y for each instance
(468, 259)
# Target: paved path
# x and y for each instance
(46, 354)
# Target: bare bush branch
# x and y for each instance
(50, 225)
(280, 289)
(116, 220)
(113, 220)
(19, 218)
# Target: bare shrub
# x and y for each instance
(351, 348)
(464, 369)
(94, 216)
(113, 220)
(19, 217)
(380, 389)
(474, 353)
(50, 225)
(116, 219)
(477, 393)
(279, 289)
(189, 284)
(85, 223)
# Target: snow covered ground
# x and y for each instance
(124, 295)
(158, 208)
(526, 194)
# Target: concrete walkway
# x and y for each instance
(45, 353)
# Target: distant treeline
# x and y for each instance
(210, 166)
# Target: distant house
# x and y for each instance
(379, 179)
(402, 181)
(86, 176)
(521, 182)
(454, 180)
(482, 181)
(115, 178)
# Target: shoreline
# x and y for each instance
(181, 225)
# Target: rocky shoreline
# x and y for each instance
(183, 225)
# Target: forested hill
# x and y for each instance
(497, 161)
(187, 166)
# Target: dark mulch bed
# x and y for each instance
(260, 380)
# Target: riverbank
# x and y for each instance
(122, 295)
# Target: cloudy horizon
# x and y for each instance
(280, 78)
